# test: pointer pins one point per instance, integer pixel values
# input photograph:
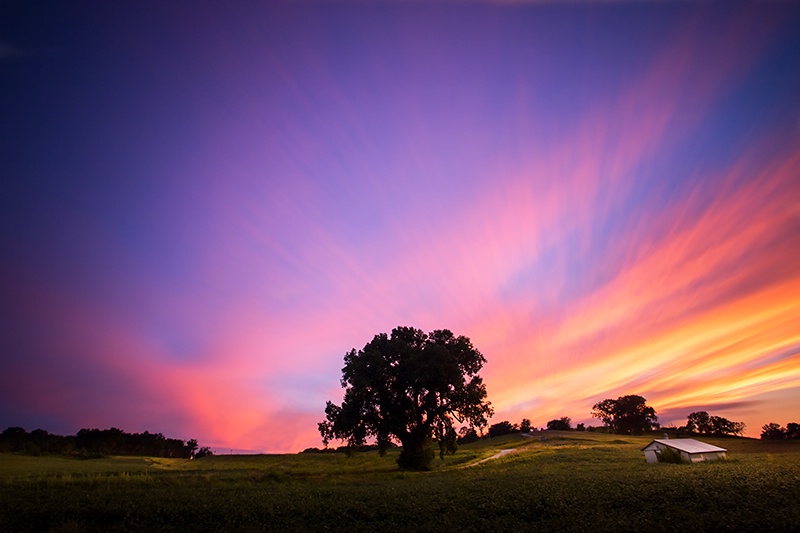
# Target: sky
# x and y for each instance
(204, 207)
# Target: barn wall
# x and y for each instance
(707, 456)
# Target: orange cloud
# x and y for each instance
(703, 314)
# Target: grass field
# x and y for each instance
(570, 482)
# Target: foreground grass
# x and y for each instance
(570, 482)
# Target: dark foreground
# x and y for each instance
(575, 482)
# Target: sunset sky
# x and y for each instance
(203, 208)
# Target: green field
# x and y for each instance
(571, 482)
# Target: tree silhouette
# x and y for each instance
(698, 422)
(467, 435)
(773, 431)
(502, 428)
(564, 423)
(95, 443)
(705, 424)
(409, 386)
(205, 451)
(628, 415)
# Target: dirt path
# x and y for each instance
(501, 453)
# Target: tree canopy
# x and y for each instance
(628, 415)
(705, 424)
(409, 386)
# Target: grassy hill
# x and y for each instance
(570, 482)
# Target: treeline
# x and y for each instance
(630, 415)
(349, 450)
(773, 431)
(99, 443)
(507, 428)
(702, 423)
(557, 424)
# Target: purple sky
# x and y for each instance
(204, 208)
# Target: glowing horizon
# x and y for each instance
(201, 223)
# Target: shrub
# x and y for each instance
(669, 455)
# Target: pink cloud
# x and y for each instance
(697, 316)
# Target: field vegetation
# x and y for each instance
(572, 481)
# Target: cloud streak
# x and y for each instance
(599, 218)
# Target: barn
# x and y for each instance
(692, 451)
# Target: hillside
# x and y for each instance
(570, 482)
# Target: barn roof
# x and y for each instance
(688, 445)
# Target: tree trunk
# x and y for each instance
(417, 453)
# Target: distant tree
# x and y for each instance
(628, 415)
(467, 435)
(580, 427)
(175, 448)
(525, 426)
(723, 426)
(502, 428)
(38, 442)
(564, 423)
(409, 386)
(703, 423)
(115, 439)
(598, 429)
(95, 443)
(205, 451)
(773, 431)
(793, 430)
(698, 422)
(190, 449)
(13, 439)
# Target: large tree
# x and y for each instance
(409, 387)
(628, 415)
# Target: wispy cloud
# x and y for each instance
(601, 216)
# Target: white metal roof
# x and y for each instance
(688, 445)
